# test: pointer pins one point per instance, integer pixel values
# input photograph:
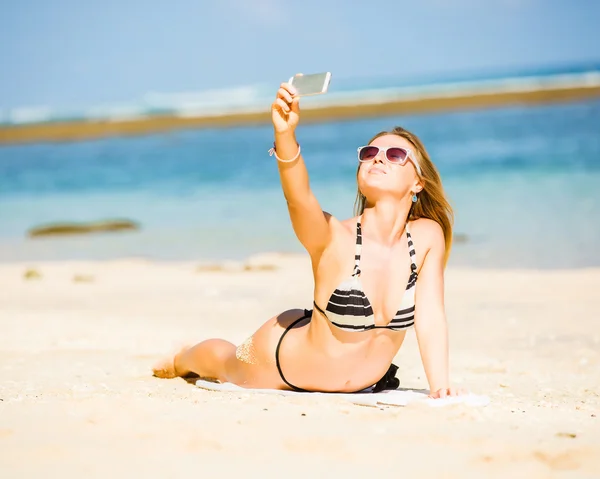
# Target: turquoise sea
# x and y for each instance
(524, 182)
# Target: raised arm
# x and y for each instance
(430, 317)
(310, 223)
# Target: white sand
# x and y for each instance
(78, 400)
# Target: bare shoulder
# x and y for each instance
(427, 234)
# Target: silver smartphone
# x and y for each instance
(313, 84)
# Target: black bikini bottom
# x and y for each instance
(388, 381)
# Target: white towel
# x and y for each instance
(394, 397)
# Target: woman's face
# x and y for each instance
(378, 177)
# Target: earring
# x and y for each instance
(414, 198)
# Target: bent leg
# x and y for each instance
(252, 364)
(207, 359)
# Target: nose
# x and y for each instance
(379, 157)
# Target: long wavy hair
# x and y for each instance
(432, 202)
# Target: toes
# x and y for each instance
(164, 369)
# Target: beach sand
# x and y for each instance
(77, 399)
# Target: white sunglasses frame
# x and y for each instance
(410, 156)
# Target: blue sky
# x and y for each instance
(68, 53)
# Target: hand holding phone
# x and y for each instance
(285, 110)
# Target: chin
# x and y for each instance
(377, 185)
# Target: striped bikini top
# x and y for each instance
(349, 308)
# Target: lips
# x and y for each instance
(377, 171)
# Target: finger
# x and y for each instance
(283, 105)
(276, 107)
(288, 88)
(283, 93)
(295, 106)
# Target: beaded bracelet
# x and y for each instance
(272, 152)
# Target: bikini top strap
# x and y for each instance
(358, 249)
(411, 250)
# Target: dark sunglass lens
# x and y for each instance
(397, 155)
(368, 153)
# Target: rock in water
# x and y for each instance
(61, 229)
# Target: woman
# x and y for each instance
(376, 275)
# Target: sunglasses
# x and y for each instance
(393, 154)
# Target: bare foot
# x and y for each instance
(165, 367)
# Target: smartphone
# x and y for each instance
(313, 84)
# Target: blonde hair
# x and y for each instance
(432, 202)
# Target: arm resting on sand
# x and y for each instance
(430, 318)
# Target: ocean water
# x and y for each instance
(342, 90)
(524, 183)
